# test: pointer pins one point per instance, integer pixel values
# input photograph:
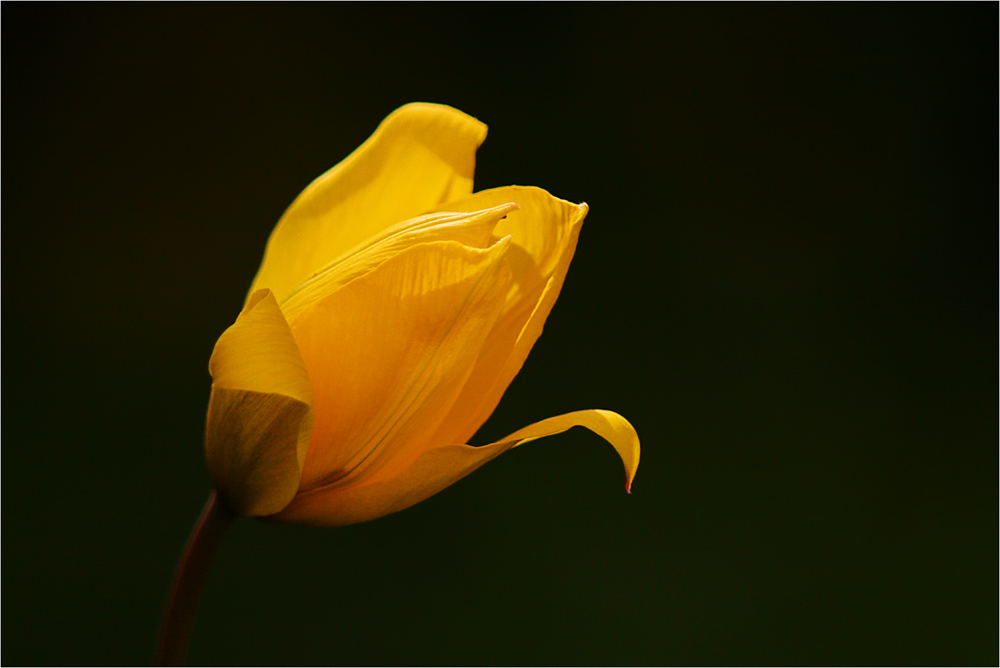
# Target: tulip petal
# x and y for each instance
(441, 466)
(544, 233)
(260, 411)
(389, 353)
(473, 229)
(420, 156)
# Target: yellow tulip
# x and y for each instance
(392, 309)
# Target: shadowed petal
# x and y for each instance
(260, 411)
(441, 466)
(419, 157)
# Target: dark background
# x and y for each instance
(788, 283)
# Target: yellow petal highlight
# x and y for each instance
(439, 467)
(473, 229)
(390, 352)
(260, 411)
(419, 157)
(544, 233)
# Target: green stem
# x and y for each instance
(189, 580)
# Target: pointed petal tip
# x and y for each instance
(505, 209)
(502, 244)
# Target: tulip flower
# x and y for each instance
(391, 311)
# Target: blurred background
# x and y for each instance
(787, 282)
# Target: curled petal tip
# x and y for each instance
(612, 427)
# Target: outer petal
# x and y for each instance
(389, 353)
(544, 234)
(441, 466)
(260, 412)
(420, 156)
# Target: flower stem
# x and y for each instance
(189, 580)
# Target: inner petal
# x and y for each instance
(389, 353)
(473, 229)
(543, 235)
